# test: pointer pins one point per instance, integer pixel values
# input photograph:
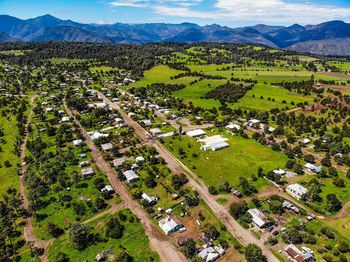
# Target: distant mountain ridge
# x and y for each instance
(311, 38)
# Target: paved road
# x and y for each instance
(243, 235)
(160, 243)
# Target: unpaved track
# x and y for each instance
(28, 233)
(160, 243)
(243, 235)
(114, 209)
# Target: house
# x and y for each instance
(86, 172)
(169, 225)
(118, 162)
(107, 147)
(48, 109)
(108, 189)
(150, 200)
(156, 131)
(196, 133)
(296, 190)
(118, 120)
(65, 119)
(313, 168)
(84, 163)
(140, 159)
(233, 126)
(97, 135)
(258, 217)
(253, 122)
(288, 205)
(130, 176)
(210, 253)
(146, 122)
(297, 255)
(305, 141)
(77, 142)
(214, 143)
(279, 171)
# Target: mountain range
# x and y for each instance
(329, 38)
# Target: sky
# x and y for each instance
(231, 13)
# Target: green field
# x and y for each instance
(61, 60)
(14, 52)
(241, 159)
(9, 175)
(134, 241)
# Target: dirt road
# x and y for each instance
(28, 233)
(160, 243)
(243, 235)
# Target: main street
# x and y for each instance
(242, 234)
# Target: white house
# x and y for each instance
(305, 141)
(108, 189)
(296, 190)
(140, 159)
(87, 172)
(149, 199)
(130, 176)
(313, 168)
(169, 225)
(214, 143)
(279, 171)
(65, 119)
(155, 131)
(77, 142)
(96, 135)
(146, 122)
(196, 133)
(233, 126)
(258, 217)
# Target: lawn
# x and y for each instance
(14, 52)
(252, 100)
(196, 91)
(341, 225)
(9, 175)
(61, 60)
(158, 74)
(241, 159)
(134, 241)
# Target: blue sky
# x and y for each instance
(224, 12)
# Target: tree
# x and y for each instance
(212, 190)
(80, 235)
(114, 229)
(189, 248)
(62, 257)
(54, 230)
(210, 231)
(333, 203)
(238, 209)
(339, 182)
(123, 256)
(253, 253)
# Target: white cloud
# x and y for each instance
(277, 12)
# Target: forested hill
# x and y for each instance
(302, 38)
